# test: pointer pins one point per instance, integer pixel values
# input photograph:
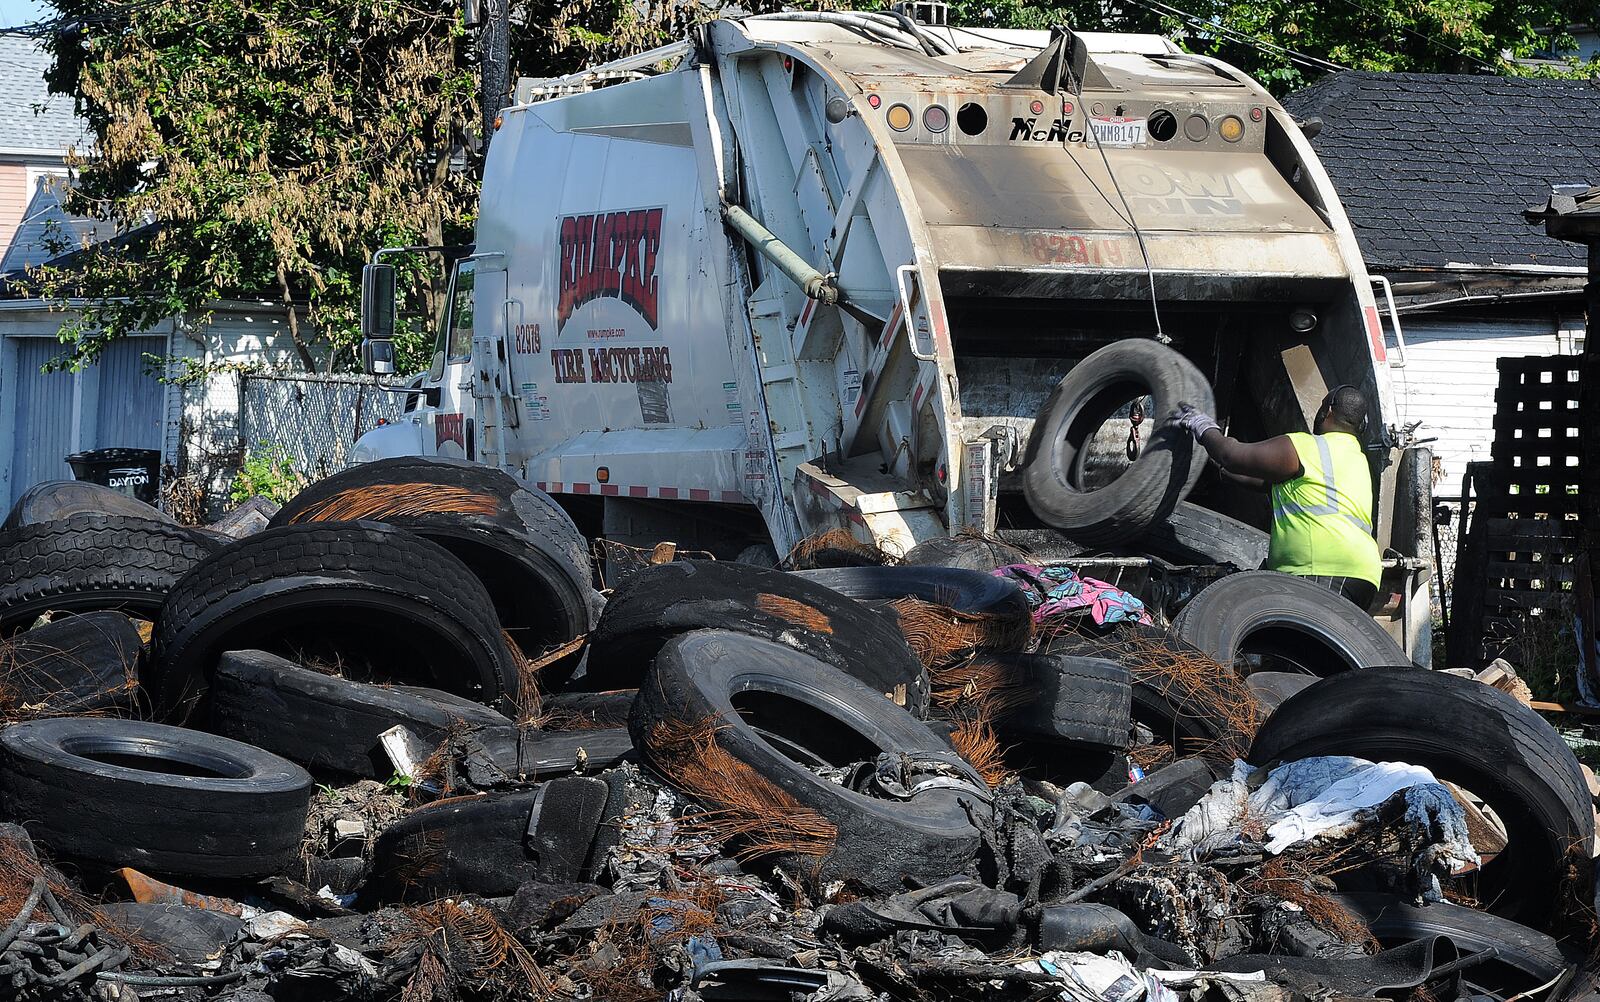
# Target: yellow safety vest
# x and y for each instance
(1322, 520)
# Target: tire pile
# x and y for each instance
(389, 744)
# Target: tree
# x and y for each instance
(260, 146)
(1271, 38)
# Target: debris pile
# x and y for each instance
(392, 746)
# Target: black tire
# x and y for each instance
(192, 935)
(514, 537)
(87, 562)
(967, 591)
(1527, 958)
(1196, 535)
(1469, 734)
(374, 599)
(327, 723)
(973, 553)
(774, 709)
(1288, 623)
(77, 665)
(54, 500)
(664, 601)
(576, 711)
(1273, 688)
(157, 798)
(1194, 712)
(1154, 483)
(1079, 701)
(463, 845)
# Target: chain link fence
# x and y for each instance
(315, 419)
(1449, 511)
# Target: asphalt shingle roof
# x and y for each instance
(1435, 169)
(22, 90)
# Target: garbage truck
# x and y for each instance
(816, 270)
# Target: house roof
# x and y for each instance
(31, 118)
(47, 231)
(1435, 169)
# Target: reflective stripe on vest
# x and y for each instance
(1330, 506)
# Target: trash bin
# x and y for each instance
(134, 472)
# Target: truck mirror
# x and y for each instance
(377, 302)
(377, 357)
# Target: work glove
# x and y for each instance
(1191, 419)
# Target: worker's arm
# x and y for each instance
(1253, 464)
(1271, 462)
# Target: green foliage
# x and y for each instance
(260, 147)
(268, 471)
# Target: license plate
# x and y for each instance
(1119, 131)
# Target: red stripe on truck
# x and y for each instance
(1375, 334)
(638, 492)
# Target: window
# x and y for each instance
(458, 321)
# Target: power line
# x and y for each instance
(1254, 41)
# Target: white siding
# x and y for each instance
(211, 441)
(1450, 376)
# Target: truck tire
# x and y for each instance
(518, 542)
(56, 499)
(1079, 701)
(86, 562)
(81, 664)
(1157, 480)
(1292, 624)
(1196, 535)
(1194, 707)
(780, 712)
(973, 592)
(160, 799)
(973, 553)
(1527, 958)
(1273, 688)
(371, 598)
(328, 723)
(666, 600)
(461, 845)
(1469, 734)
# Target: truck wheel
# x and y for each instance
(666, 600)
(371, 600)
(1167, 466)
(325, 722)
(1196, 535)
(90, 561)
(56, 499)
(1469, 734)
(157, 798)
(776, 714)
(81, 664)
(1288, 623)
(518, 542)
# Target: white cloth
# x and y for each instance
(1320, 797)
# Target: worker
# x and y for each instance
(1321, 489)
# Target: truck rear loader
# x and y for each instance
(819, 270)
